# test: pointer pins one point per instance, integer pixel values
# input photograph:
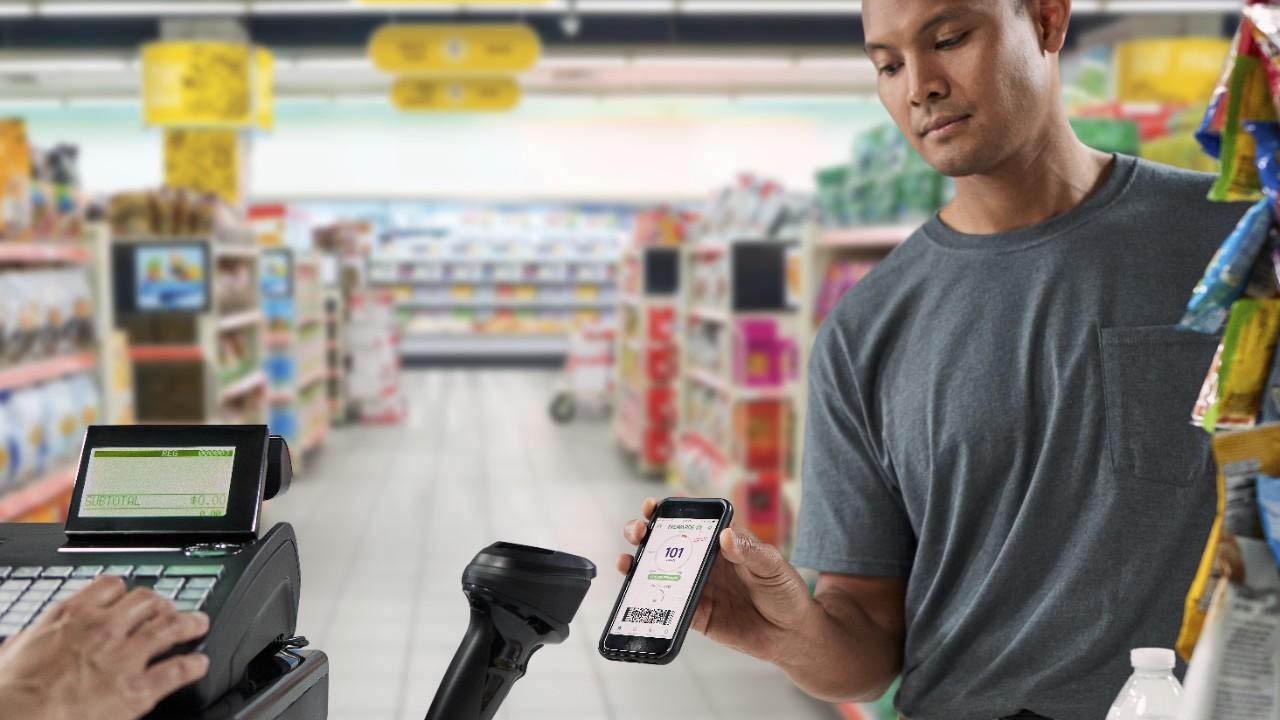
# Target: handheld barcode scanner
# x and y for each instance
(521, 599)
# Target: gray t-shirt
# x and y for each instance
(1004, 421)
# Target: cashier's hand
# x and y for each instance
(87, 658)
(753, 599)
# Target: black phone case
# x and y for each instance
(713, 553)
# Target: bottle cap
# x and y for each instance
(1152, 659)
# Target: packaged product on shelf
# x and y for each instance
(80, 333)
(1208, 390)
(88, 399)
(25, 323)
(1266, 137)
(10, 437)
(1235, 672)
(1245, 96)
(1240, 456)
(763, 357)
(15, 178)
(29, 414)
(62, 419)
(1229, 270)
(1269, 511)
(1247, 349)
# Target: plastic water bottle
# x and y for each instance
(1152, 693)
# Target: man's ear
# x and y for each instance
(1051, 18)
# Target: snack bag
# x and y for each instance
(1229, 270)
(1247, 98)
(1247, 349)
(1266, 138)
(1269, 511)
(1209, 390)
(1247, 453)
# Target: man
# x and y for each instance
(1002, 492)
(89, 658)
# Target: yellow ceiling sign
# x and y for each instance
(465, 94)
(206, 84)
(264, 91)
(427, 48)
(204, 160)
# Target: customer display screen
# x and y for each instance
(157, 482)
(664, 577)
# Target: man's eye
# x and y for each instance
(951, 41)
(890, 69)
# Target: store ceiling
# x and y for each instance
(78, 49)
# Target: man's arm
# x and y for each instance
(851, 650)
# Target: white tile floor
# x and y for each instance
(388, 517)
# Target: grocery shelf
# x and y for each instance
(246, 384)
(226, 250)
(491, 304)
(483, 282)
(235, 321)
(47, 369)
(472, 344)
(718, 315)
(279, 339)
(313, 377)
(870, 237)
(709, 379)
(38, 252)
(165, 353)
(495, 259)
(34, 495)
(311, 319)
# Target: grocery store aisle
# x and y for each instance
(391, 515)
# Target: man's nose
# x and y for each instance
(926, 82)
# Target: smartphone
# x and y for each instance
(654, 609)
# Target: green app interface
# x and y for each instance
(157, 482)
(664, 577)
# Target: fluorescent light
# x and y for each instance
(712, 61)
(17, 9)
(104, 101)
(352, 62)
(582, 61)
(95, 9)
(768, 7)
(31, 102)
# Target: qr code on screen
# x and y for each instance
(647, 616)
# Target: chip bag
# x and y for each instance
(1247, 97)
(1269, 511)
(1247, 453)
(1266, 138)
(1247, 349)
(1229, 271)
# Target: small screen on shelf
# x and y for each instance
(157, 482)
(171, 277)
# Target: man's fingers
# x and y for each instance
(161, 679)
(138, 606)
(634, 531)
(624, 563)
(647, 508)
(103, 591)
(166, 630)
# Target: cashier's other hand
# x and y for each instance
(753, 600)
(89, 657)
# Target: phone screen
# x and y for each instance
(664, 578)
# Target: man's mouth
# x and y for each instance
(944, 125)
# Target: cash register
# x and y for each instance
(177, 509)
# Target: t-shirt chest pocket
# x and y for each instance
(1150, 378)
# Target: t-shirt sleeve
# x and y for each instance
(852, 519)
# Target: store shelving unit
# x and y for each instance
(335, 355)
(740, 385)
(645, 393)
(841, 256)
(505, 295)
(297, 352)
(205, 366)
(43, 496)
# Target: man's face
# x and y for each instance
(965, 80)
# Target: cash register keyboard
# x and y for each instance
(27, 591)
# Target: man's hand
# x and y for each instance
(753, 600)
(88, 657)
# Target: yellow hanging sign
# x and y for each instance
(206, 84)
(421, 48)
(465, 94)
(205, 160)
(264, 92)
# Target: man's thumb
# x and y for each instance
(743, 548)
